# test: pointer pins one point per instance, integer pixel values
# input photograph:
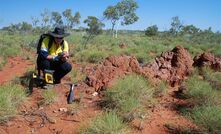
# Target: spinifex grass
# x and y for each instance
(201, 92)
(206, 111)
(129, 95)
(10, 98)
(49, 96)
(107, 123)
(209, 117)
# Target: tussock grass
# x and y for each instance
(9, 51)
(208, 117)
(160, 88)
(210, 74)
(206, 111)
(216, 50)
(129, 96)
(10, 98)
(2, 62)
(49, 96)
(201, 91)
(213, 77)
(107, 123)
(77, 76)
(91, 55)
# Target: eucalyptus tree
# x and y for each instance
(45, 18)
(123, 12)
(94, 27)
(25, 27)
(67, 14)
(76, 19)
(190, 29)
(151, 31)
(71, 20)
(56, 18)
(176, 26)
(35, 21)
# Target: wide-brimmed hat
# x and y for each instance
(59, 32)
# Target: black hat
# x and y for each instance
(59, 32)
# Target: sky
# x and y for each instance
(201, 13)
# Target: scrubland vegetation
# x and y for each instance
(205, 101)
(130, 96)
(121, 101)
(11, 97)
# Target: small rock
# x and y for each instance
(32, 131)
(95, 94)
(52, 120)
(40, 108)
(63, 109)
(8, 124)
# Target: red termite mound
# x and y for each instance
(207, 59)
(171, 66)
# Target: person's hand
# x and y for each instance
(63, 59)
(64, 56)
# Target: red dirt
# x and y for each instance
(52, 118)
(33, 118)
(165, 113)
(15, 66)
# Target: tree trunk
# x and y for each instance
(112, 29)
(116, 30)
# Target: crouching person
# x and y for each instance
(53, 54)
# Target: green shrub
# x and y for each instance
(129, 94)
(151, 31)
(208, 117)
(200, 91)
(91, 55)
(10, 98)
(213, 77)
(2, 62)
(9, 51)
(108, 123)
(206, 112)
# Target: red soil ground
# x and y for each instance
(33, 118)
(16, 66)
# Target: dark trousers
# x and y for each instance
(60, 68)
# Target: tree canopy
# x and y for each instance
(123, 12)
